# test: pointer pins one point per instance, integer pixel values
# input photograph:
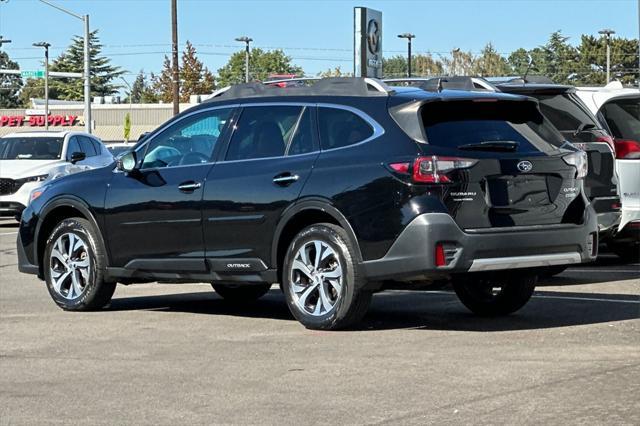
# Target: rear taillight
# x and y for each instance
(609, 140)
(627, 149)
(432, 169)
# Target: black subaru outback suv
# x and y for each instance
(331, 190)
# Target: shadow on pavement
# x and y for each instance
(417, 310)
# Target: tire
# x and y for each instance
(553, 270)
(628, 252)
(495, 296)
(76, 278)
(337, 276)
(241, 293)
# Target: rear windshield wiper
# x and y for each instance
(586, 127)
(508, 146)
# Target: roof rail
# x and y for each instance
(437, 84)
(332, 86)
(536, 79)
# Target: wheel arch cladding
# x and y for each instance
(296, 221)
(53, 214)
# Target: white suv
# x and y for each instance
(618, 109)
(30, 158)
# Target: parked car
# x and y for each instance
(329, 190)
(116, 149)
(618, 109)
(29, 159)
(564, 109)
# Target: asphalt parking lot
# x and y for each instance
(178, 354)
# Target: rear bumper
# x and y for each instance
(609, 215)
(412, 255)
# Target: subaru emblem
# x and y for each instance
(525, 166)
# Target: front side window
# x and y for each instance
(188, 141)
(87, 147)
(25, 148)
(340, 128)
(271, 131)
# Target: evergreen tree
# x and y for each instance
(519, 62)
(195, 78)
(9, 84)
(490, 63)
(261, 65)
(163, 83)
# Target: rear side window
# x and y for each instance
(340, 128)
(73, 146)
(266, 131)
(87, 146)
(459, 123)
(623, 117)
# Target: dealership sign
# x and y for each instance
(367, 48)
(38, 120)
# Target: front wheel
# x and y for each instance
(74, 264)
(322, 281)
(495, 296)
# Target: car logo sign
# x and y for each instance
(525, 166)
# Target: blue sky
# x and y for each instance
(317, 34)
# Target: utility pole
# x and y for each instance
(174, 57)
(607, 34)
(87, 62)
(46, 46)
(246, 40)
(409, 37)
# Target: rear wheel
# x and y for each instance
(629, 252)
(322, 281)
(74, 265)
(241, 293)
(495, 296)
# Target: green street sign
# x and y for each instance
(32, 74)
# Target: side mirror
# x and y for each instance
(77, 156)
(142, 136)
(127, 162)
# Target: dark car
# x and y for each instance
(332, 190)
(564, 109)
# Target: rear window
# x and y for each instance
(458, 123)
(567, 114)
(623, 117)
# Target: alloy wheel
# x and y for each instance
(70, 266)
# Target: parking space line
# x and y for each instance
(540, 296)
(604, 270)
(8, 233)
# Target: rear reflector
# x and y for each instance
(627, 149)
(440, 257)
(400, 167)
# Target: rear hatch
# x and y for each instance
(518, 176)
(578, 125)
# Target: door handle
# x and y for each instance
(285, 179)
(189, 186)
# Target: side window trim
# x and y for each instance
(72, 138)
(224, 136)
(378, 130)
(305, 105)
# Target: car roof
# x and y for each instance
(596, 97)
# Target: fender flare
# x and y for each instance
(319, 204)
(76, 203)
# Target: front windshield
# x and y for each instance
(30, 148)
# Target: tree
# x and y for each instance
(9, 84)
(557, 59)
(490, 63)
(141, 90)
(459, 63)
(195, 78)
(422, 65)
(335, 72)
(261, 65)
(518, 62)
(394, 66)
(163, 83)
(103, 73)
(591, 68)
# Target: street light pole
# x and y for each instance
(607, 33)
(174, 57)
(409, 37)
(247, 52)
(46, 46)
(87, 62)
